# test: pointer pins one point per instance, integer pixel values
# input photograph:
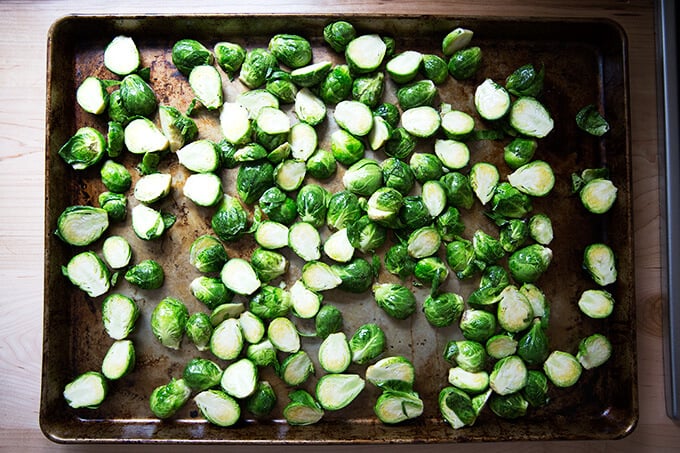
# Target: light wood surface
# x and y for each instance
(23, 32)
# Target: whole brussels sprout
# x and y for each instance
(513, 234)
(137, 96)
(147, 274)
(115, 205)
(426, 167)
(115, 177)
(230, 221)
(528, 263)
(356, 276)
(229, 56)
(434, 68)
(188, 53)
(519, 152)
(363, 178)
(201, 374)
(458, 189)
(280, 84)
(456, 407)
(397, 175)
(464, 63)
(487, 248)
(396, 300)
(278, 206)
(508, 406)
(369, 89)
(343, 210)
(367, 343)
(337, 86)
(168, 322)
(312, 204)
(494, 280)
(526, 81)
(460, 256)
(268, 264)
(366, 235)
(338, 34)
(293, 51)
(536, 389)
(256, 66)
(444, 309)
(167, 399)
(399, 262)
(199, 330)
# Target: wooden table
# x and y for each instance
(25, 27)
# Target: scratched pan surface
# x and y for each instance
(585, 63)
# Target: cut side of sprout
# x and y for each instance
(404, 67)
(151, 188)
(596, 303)
(206, 82)
(421, 121)
(562, 368)
(142, 136)
(82, 225)
(239, 276)
(88, 272)
(470, 382)
(282, 333)
(452, 153)
(119, 360)
(117, 252)
(256, 100)
(204, 189)
(252, 327)
(218, 408)
(240, 378)
(353, 116)
(305, 302)
(335, 391)
(303, 140)
(338, 248)
(434, 197)
(87, 390)
(593, 351)
(200, 156)
(91, 96)
(147, 223)
(226, 341)
(509, 375)
(457, 39)
(529, 117)
(309, 108)
(535, 178)
(290, 174)
(491, 100)
(271, 235)
(121, 56)
(379, 134)
(119, 314)
(483, 179)
(296, 368)
(235, 123)
(305, 241)
(457, 124)
(365, 53)
(319, 276)
(334, 353)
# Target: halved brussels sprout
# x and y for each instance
(226, 341)
(483, 179)
(309, 108)
(88, 390)
(380, 133)
(88, 272)
(508, 406)
(187, 53)
(414, 213)
(305, 241)
(449, 224)
(319, 276)
(303, 409)
(365, 53)
(529, 117)
(211, 291)
(501, 345)
(397, 406)
(84, 149)
(562, 368)
(346, 148)
(599, 262)
(403, 68)
(252, 327)
(239, 379)
(533, 346)
(119, 360)
(593, 351)
(147, 274)
(491, 100)
(207, 254)
(392, 373)
(289, 174)
(457, 125)
(456, 39)
(336, 391)
(296, 368)
(81, 225)
(338, 248)
(469, 382)
(235, 123)
(400, 143)
(176, 126)
(525, 81)
(283, 335)
(218, 407)
(458, 189)
(596, 303)
(396, 300)
(137, 96)
(271, 235)
(434, 68)
(540, 229)
(367, 343)
(143, 136)
(239, 276)
(263, 354)
(92, 96)
(304, 302)
(514, 310)
(416, 94)
(456, 407)
(119, 314)
(507, 201)
(206, 83)
(168, 322)
(117, 252)
(121, 56)
(225, 311)
(311, 75)
(435, 197)
(334, 353)
(536, 390)
(151, 188)
(423, 242)
(519, 152)
(204, 189)
(509, 375)
(354, 117)
(598, 195)
(201, 374)
(364, 177)
(535, 178)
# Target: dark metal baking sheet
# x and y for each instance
(585, 63)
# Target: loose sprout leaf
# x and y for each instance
(590, 120)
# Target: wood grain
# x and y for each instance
(25, 28)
